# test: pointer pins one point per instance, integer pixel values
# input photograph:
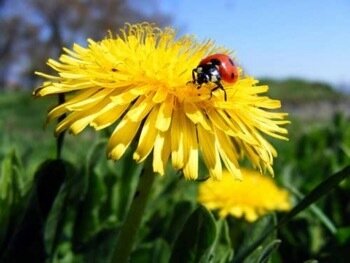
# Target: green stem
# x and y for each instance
(60, 137)
(128, 232)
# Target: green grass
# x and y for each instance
(22, 128)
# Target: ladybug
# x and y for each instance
(215, 68)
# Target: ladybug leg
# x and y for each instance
(194, 75)
(194, 79)
(219, 86)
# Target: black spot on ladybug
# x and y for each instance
(232, 76)
(114, 70)
(215, 62)
(231, 61)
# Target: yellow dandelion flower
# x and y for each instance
(252, 197)
(141, 81)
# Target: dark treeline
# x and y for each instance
(31, 31)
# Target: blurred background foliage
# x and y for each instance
(70, 210)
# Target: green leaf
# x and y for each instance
(51, 195)
(195, 241)
(94, 195)
(268, 250)
(55, 221)
(316, 211)
(222, 249)
(179, 217)
(157, 251)
(94, 155)
(257, 231)
(321, 190)
(13, 190)
(99, 249)
(105, 192)
(343, 235)
(48, 180)
(129, 172)
(27, 240)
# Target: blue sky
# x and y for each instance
(301, 38)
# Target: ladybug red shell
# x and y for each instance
(215, 68)
(227, 69)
